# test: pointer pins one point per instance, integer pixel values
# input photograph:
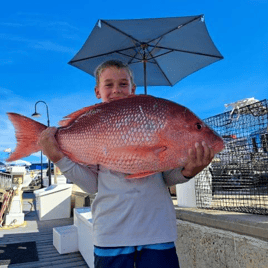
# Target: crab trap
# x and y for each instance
(237, 178)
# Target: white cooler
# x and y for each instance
(186, 194)
(54, 202)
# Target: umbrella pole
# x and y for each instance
(144, 71)
(144, 46)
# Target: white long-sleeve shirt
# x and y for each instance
(127, 212)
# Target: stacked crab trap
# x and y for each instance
(237, 178)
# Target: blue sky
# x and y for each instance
(38, 38)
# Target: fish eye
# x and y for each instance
(198, 126)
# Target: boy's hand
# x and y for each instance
(198, 159)
(49, 144)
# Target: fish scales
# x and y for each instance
(129, 124)
(137, 135)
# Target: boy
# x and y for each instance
(134, 221)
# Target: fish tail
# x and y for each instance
(27, 133)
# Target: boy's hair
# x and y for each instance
(112, 63)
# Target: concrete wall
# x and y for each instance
(199, 246)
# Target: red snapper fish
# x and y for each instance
(139, 135)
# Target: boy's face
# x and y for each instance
(114, 84)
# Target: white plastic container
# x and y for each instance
(45, 182)
(59, 179)
(65, 239)
(17, 170)
(186, 194)
(83, 222)
(54, 202)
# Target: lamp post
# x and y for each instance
(35, 114)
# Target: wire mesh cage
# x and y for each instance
(237, 178)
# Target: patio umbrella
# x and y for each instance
(160, 51)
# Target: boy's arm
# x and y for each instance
(85, 177)
(174, 176)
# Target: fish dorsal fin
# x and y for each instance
(69, 119)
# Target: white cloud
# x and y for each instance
(51, 25)
(51, 46)
(36, 32)
(38, 44)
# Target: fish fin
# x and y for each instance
(69, 119)
(141, 150)
(156, 150)
(159, 149)
(140, 175)
(27, 133)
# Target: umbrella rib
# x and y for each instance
(137, 49)
(139, 60)
(100, 55)
(155, 62)
(160, 67)
(164, 74)
(176, 28)
(190, 52)
(154, 45)
(170, 50)
(131, 37)
(133, 57)
(154, 57)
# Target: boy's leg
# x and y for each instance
(158, 256)
(114, 257)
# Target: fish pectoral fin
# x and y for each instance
(159, 149)
(140, 175)
(141, 150)
(156, 150)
